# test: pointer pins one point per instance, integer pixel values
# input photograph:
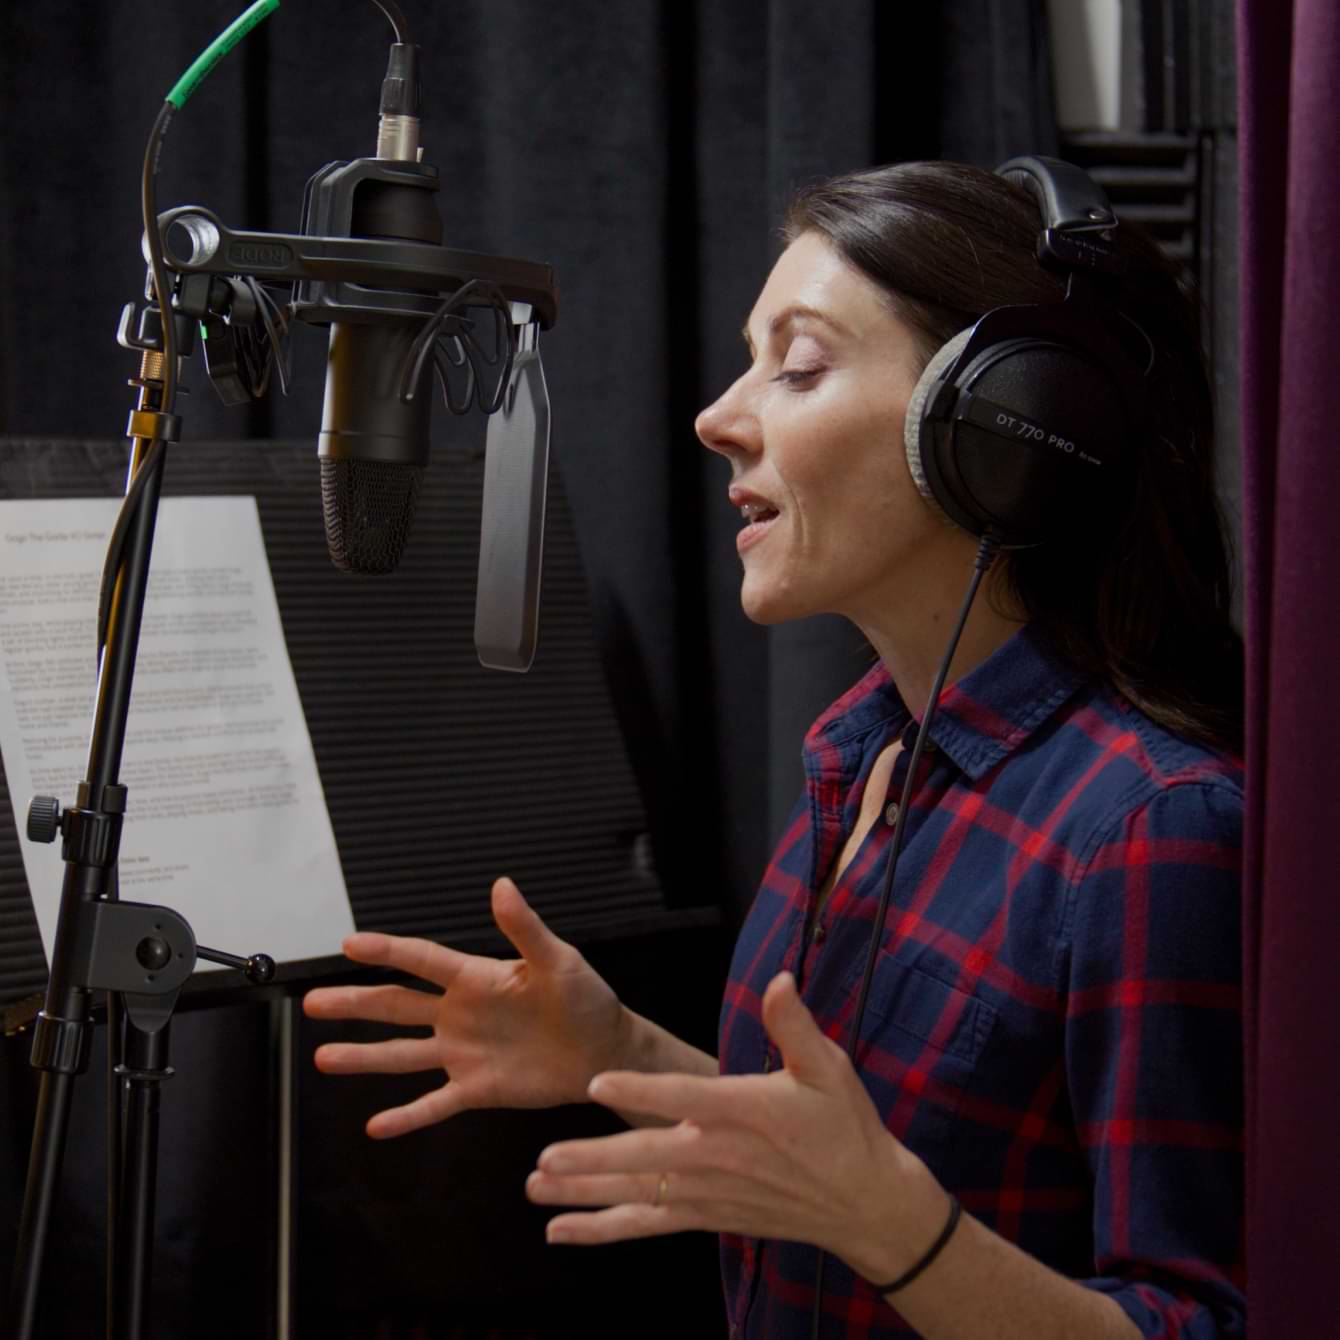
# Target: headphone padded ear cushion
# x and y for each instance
(916, 407)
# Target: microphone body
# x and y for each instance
(373, 447)
(373, 444)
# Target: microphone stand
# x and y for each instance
(139, 953)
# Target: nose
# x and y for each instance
(728, 425)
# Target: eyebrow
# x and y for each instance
(795, 311)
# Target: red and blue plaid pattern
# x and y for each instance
(1054, 1024)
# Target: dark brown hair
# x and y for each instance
(1143, 597)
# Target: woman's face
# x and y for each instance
(813, 430)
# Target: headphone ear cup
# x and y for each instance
(916, 436)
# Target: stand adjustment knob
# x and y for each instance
(44, 819)
(153, 952)
(258, 968)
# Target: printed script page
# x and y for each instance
(226, 821)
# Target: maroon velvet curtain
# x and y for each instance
(1289, 128)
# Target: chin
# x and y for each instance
(766, 606)
(765, 617)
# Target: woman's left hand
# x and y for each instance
(799, 1154)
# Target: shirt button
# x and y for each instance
(891, 813)
(909, 739)
(819, 934)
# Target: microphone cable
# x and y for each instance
(444, 324)
(149, 467)
(396, 17)
(162, 294)
(986, 555)
(149, 463)
(257, 358)
(264, 351)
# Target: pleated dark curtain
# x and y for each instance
(1289, 127)
(646, 150)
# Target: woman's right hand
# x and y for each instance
(527, 1032)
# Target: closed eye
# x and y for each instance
(797, 376)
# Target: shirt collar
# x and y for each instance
(983, 717)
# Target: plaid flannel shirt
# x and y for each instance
(1054, 1024)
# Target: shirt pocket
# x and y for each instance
(921, 1040)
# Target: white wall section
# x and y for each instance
(1086, 50)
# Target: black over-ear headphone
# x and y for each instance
(1024, 422)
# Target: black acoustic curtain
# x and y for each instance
(645, 149)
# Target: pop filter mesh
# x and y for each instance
(369, 508)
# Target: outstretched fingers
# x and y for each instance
(599, 1189)
(425, 1111)
(420, 958)
(654, 1190)
(646, 1150)
(377, 1004)
(398, 1056)
(676, 1097)
(808, 1055)
(619, 1223)
(635, 1206)
(522, 925)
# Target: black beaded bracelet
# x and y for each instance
(955, 1209)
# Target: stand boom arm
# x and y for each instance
(376, 262)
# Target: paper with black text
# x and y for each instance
(226, 821)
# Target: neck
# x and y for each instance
(911, 635)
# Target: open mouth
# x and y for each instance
(758, 517)
(757, 513)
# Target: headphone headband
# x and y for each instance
(1078, 223)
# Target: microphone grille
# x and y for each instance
(368, 507)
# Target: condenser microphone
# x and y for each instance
(373, 445)
(373, 269)
(402, 310)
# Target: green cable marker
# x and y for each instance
(218, 49)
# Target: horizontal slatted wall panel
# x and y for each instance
(439, 774)
(1151, 179)
(23, 964)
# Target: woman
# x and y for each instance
(1052, 1032)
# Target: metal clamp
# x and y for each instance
(91, 837)
(151, 424)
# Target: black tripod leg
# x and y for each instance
(283, 1053)
(115, 1151)
(145, 1068)
(44, 1165)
